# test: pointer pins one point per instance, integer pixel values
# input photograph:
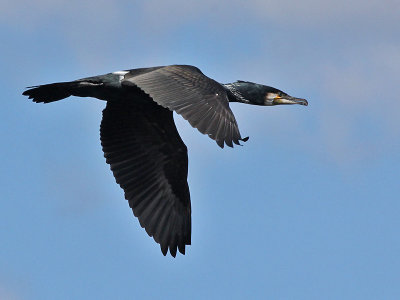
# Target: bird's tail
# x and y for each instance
(51, 92)
(56, 91)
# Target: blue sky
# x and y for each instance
(308, 208)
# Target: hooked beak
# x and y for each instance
(289, 100)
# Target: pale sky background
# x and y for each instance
(308, 208)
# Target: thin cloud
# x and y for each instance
(176, 12)
(7, 293)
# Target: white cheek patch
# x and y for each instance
(121, 74)
(271, 96)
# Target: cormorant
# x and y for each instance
(141, 143)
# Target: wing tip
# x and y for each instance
(164, 249)
(173, 249)
(229, 143)
(220, 143)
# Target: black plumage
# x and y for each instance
(142, 145)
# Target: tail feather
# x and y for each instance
(50, 92)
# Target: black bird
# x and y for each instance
(141, 144)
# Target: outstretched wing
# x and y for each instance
(199, 99)
(150, 163)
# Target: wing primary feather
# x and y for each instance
(156, 217)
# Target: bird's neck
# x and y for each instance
(233, 94)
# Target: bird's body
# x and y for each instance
(142, 145)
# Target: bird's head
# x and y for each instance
(258, 94)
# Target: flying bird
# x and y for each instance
(141, 143)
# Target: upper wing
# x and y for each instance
(200, 100)
(149, 161)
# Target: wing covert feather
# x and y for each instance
(200, 100)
